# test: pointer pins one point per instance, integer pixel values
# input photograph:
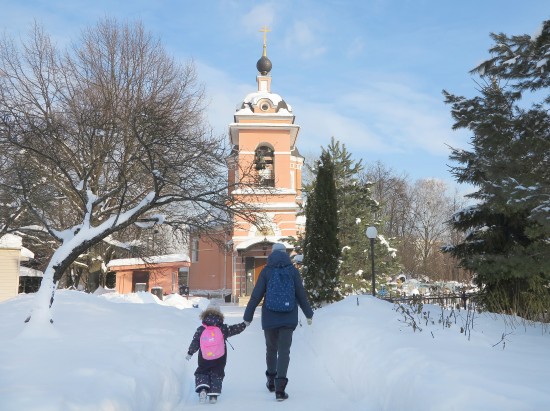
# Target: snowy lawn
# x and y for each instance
(127, 353)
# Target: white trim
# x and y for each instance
(263, 191)
(255, 240)
(265, 142)
(292, 129)
(264, 125)
(274, 207)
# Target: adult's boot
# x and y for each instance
(270, 384)
(280, 385)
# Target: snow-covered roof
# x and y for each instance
(26, 253)
(11, 241)
(29, 272)
(157, 259)
(298, 258)
(255, 97)
(255, 240)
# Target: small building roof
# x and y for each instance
(15, 242)
(30, 272)
(11, 241)
(157, 259)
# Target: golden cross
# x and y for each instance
(265, 30)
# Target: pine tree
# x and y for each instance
(321, 246)
(509, 164)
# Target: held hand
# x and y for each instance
(309, 321)
(247, 323)
(188, 357)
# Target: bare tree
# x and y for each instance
(431, 209)
(391, 192)
(105, 134)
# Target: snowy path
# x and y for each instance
(130, 356)
(244, 385)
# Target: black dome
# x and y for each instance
(264, 65)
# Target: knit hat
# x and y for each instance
(278, 247)
(298, 259)
(211, 310)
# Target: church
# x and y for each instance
(263, 138)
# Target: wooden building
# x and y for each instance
(12, 254)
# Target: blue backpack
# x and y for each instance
(280, 295)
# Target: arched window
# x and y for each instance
(265, 166)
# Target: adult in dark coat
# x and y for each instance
(278, 326)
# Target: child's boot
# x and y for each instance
(270, 384)
(202, 396)
(212, 399)
(280, 385)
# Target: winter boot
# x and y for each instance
(270, 384)
(202, 396)
(280, 385)
(212, 399)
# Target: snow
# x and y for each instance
(542, 63)
(16, 242)
(107, 352)
(10, 241)
(259, 95)
(255, 97)
(511, 61)
(156, 259)
(26, 253)
(29, 272)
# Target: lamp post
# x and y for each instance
(371, 234)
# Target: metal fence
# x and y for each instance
(445, 300)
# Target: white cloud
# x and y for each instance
(402, 117)
(302, 39)
(259, 16)
(223, 94)
(320, 122)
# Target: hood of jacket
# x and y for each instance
(212, 319)
(278, 259)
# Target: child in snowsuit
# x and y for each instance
(210, 373)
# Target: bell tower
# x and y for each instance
(263, 136)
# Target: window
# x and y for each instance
(195, 250)
(183, 277)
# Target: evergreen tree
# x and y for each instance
(357, 211)
(507, 230)
(321, 246)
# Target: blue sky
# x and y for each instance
(368, 72)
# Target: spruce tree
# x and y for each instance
(321, 246)
(357, 211)
(507, 230)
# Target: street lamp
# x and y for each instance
(371, 234)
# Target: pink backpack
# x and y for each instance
(212, 342)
